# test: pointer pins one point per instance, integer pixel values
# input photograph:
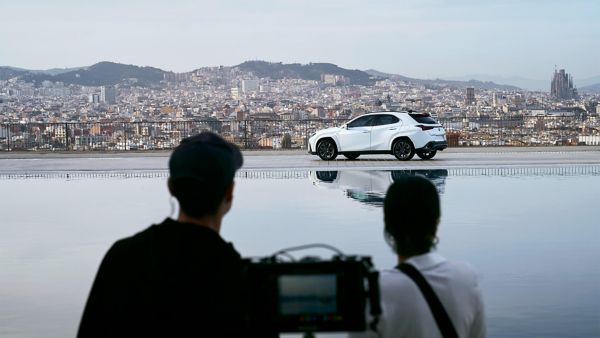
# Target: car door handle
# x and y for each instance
(392, 128)
(364, 131)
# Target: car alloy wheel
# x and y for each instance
(327, 150)
(403, 150)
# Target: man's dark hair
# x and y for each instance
(411, 213)
(196, 198)
(201, 170)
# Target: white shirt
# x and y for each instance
(406, 312)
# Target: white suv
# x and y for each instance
(401, 134)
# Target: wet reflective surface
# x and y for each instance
(531, 233)
(369, 187)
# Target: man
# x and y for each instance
(177, 278)
(411, 216)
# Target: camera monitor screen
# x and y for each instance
(311, 296)
(307, 294)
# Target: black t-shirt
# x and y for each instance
(172, 279)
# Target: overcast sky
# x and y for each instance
(420, 38)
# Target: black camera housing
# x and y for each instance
(310, 296)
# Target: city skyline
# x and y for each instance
(270, 106)
(422, 39)
(500, 81)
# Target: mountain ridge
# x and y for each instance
(525, 83)
(310, 71)
(98, 74)
(445, 83)
(51, 71)
(591, 88)
(110, 73)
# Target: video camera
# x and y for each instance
(311, 295)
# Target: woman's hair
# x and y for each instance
(411, 214)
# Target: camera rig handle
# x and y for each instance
(374, 293)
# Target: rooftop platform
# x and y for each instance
(32, 163)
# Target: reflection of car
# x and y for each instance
(370, 186)
(400, 134)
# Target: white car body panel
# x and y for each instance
(381, 135)
(379, 138)
(354, 139)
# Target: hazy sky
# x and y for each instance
(420, 38)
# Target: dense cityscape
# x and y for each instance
(273, 112)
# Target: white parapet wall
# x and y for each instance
(590, 140)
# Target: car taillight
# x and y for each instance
(425, 127)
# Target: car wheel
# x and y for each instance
(352, 156)
(327, 176)
(327, 150)
(426, 155)
(403, 149)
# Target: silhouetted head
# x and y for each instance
(201, 171)
(411, 214)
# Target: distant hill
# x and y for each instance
(10, 72)
(476, 84)
(444, 83)
(311, 71)
(56, 71)
(525, 83)
(591, 88)
(587, 82)
(521, 82)
(102, 73)
(110, 73)
(52, 71)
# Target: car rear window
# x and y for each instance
(423, 118)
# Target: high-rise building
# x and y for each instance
(264, 88)
(333, 79)
(499, 99)
(235, 93)
(470, 99)
(249, 86)
(94, 98)
(518, 100)
(108, 94)
(562, 86)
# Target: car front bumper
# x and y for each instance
(312, 146)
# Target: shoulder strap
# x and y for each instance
(439, 313)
